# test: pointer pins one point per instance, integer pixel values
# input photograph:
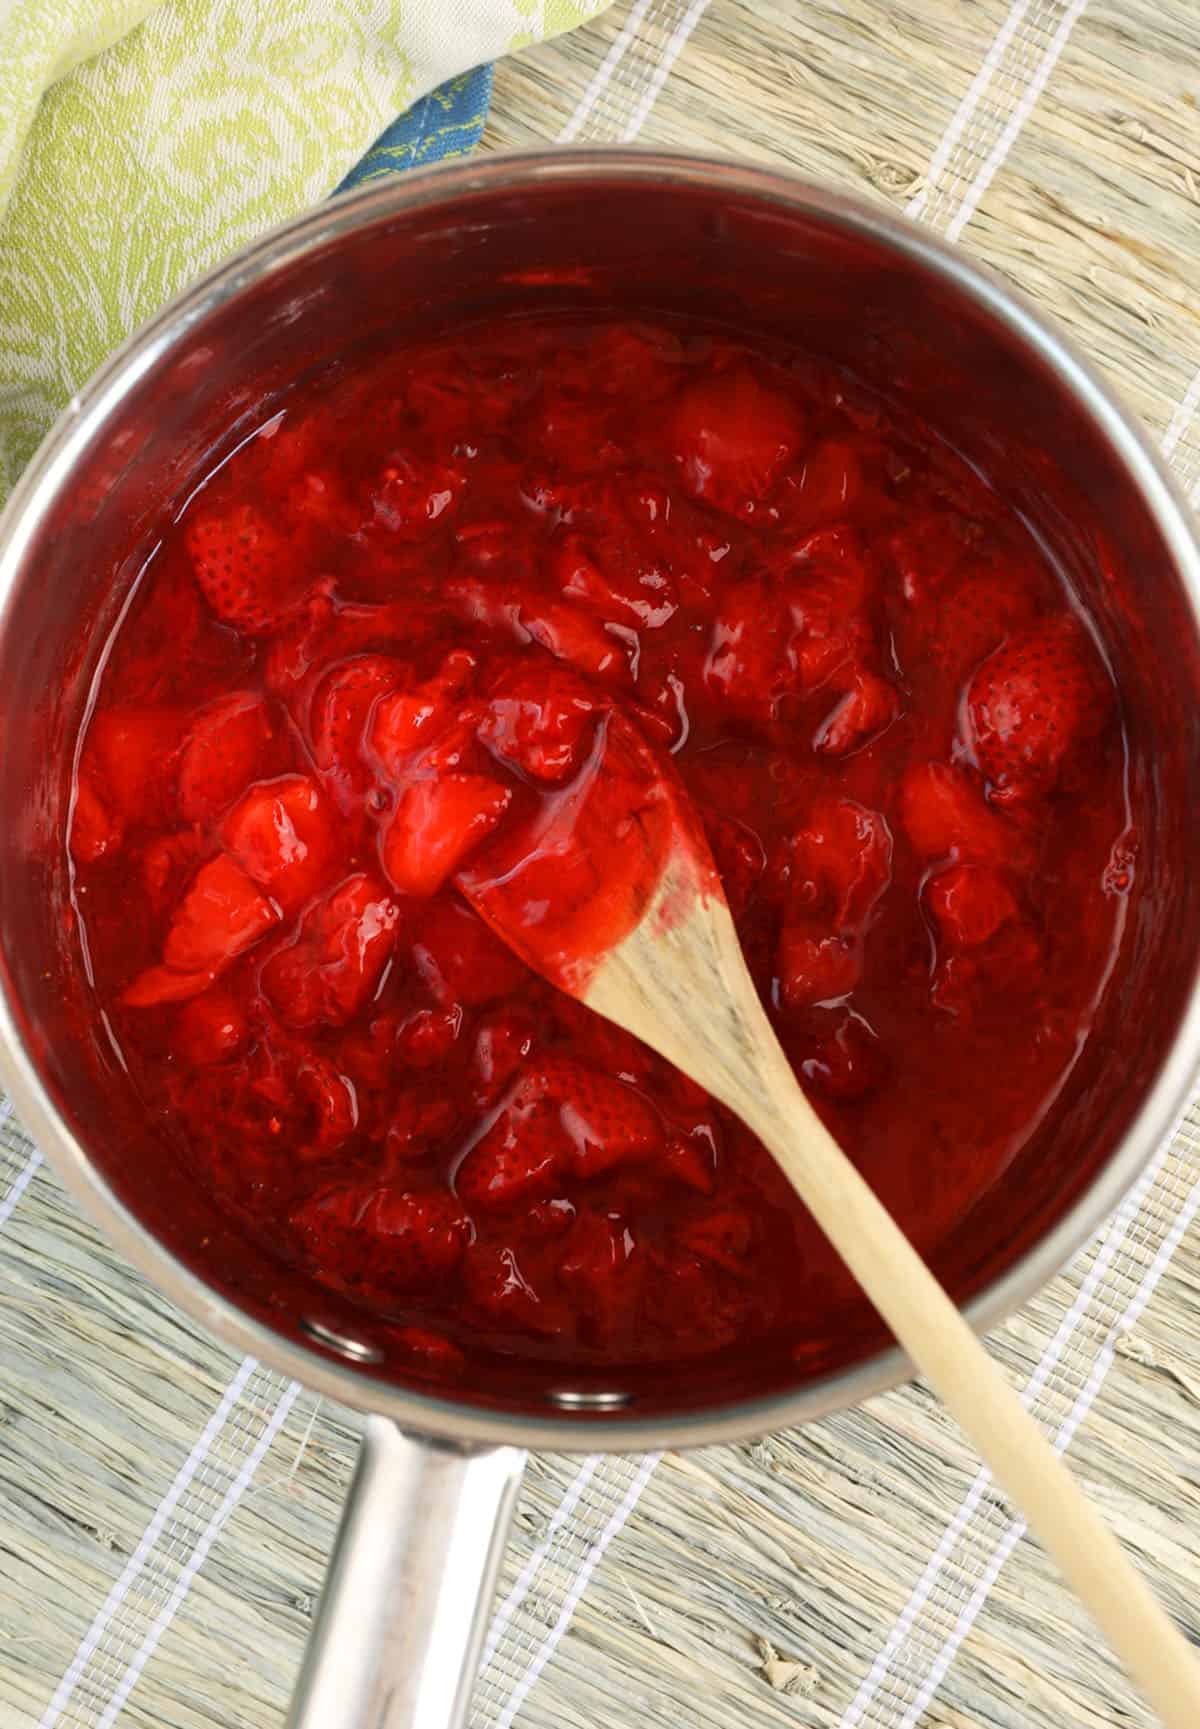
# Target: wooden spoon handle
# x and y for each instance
(941, 1343)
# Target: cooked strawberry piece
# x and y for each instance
(746, 668)
(828, 593)
(927, 556)
(689, 1159)
(391, 1237)
(503, 1040)
(128, 761)
(732, 437)
(723, 1237)
(969, 903)
(418, 1121)
(501, 1291)
(95, 832)
(946, 816)
(459, 959)
(606, 1122)
(247, 570)
(427, 1036)
(230, 743)
(847, 1063)
(332, 1103)
(867, 709)
(155, 985)
(540, 718)
(333, 967)
(616, 579)
(340, 712)
(986, 979)
(605, 1275)
(436, 825)
(601, 651)
(411, 497)
(977, 614)
(220, 917)
(210, 1028)
(520, 1158)
(1030, 706)
(825, 487)
(739, 857)
(281, 832)
(409, 721)
(167, 862)
(815, 967)
(840, 863)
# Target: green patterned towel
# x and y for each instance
(140, 142)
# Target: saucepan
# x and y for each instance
(398, 1634)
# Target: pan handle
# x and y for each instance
(409, 1587)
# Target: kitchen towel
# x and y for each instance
(141, 142)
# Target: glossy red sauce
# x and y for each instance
(392, 639)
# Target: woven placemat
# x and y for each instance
(168, 1508)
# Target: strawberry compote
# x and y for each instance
(398, 617)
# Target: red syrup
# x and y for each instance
(388, 642)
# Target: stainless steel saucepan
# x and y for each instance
(398, 1635)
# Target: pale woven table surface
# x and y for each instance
(166, 1510)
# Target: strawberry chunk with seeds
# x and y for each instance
(520, 1158)
(280, 831)
(539, 719)
(436, 825)
(607, 1123)
(978, 614)
(335, 964)
(247, 571)
(228, 745)
(732, 438)
(1031, 704)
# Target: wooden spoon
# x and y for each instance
(611, 893)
